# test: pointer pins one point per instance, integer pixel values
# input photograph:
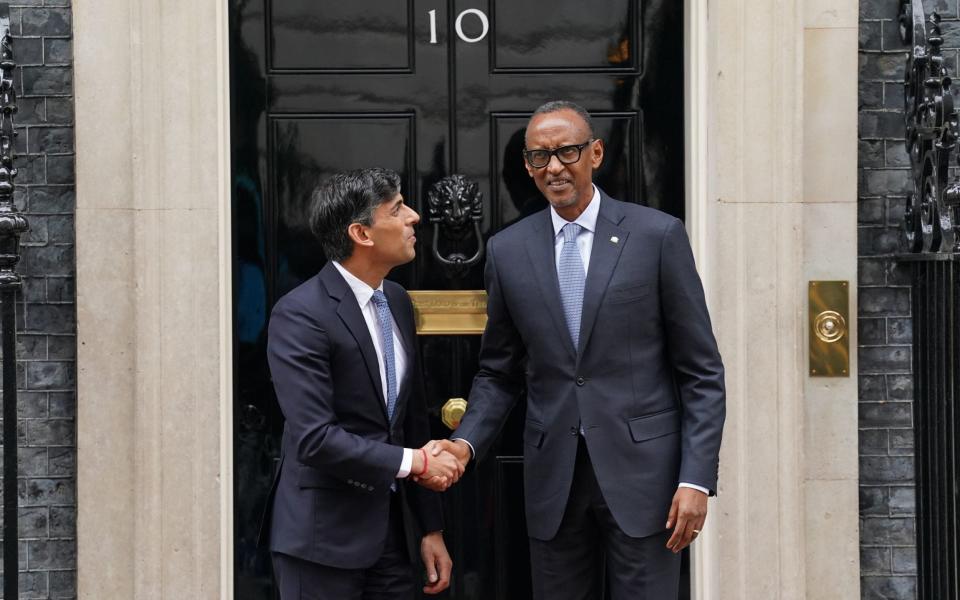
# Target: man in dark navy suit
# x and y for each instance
(343, 358)
(596, 307)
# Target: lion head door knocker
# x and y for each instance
(456, 209)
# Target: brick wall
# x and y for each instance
(47, 323)
(887, 503)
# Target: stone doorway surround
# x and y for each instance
(772, 129)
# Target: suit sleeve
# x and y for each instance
(693, 352)
(299, 355)
(425, 504)
(499, 380)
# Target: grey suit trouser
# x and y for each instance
(590, 547)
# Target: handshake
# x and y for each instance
(440, 463)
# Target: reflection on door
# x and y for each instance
(429, 89)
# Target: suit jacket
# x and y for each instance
(330, 501)
(646, 382)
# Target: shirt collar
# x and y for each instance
(587, 219)
(360, 289)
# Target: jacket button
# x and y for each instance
(581, 381)
(573, 431)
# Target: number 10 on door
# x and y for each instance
(458, 25)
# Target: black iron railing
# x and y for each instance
(931, 245)
(936, 298)
(932, 130)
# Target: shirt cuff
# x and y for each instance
(473, 453)
(695, 487)
(406, 464)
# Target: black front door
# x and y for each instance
(431, 89)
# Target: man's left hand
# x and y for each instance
(437, 561)
(688, 513)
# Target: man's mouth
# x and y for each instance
(557, 184)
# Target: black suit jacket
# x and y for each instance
(330, 501)
(646, 382)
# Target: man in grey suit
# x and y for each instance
(596, 307)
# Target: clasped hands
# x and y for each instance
(440, 464)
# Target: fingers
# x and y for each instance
(458, 449)
(446, 465)
(442, 472)
(442, 465)
(437, 561)
(436, 483)
(444, 451)
(441, 468)
(688, 513)
(677, 535)
(682, 535)
(446, 568)
(672, 517)
(690, 534)
(438, 446)
(430, 563)
(438, 574)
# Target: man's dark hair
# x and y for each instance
(347, 198)
(557, 105)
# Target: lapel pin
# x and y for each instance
(615, 240)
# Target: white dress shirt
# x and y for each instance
(588, 223)
(364, 294)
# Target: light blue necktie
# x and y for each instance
(386, 341)
(572, 279)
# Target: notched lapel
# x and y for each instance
(349, 313)
(540, 249)
(603, 259)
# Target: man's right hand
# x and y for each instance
(443, 469)
(458, 448)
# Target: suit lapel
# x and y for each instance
(603, 259)
(540, 249)
(349, 313)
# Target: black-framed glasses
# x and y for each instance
(567, 155)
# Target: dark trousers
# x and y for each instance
(390, 578)
(590, 546)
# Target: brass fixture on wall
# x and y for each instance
(828, 318)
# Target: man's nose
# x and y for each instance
(414, 217)
(555, 166)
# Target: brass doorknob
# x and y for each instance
(452, 412)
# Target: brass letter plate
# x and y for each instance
(461, 312)
(829, 317)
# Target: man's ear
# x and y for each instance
(596, 155)
(358, 234)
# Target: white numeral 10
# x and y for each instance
(484, 24)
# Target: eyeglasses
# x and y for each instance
(567, 155)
